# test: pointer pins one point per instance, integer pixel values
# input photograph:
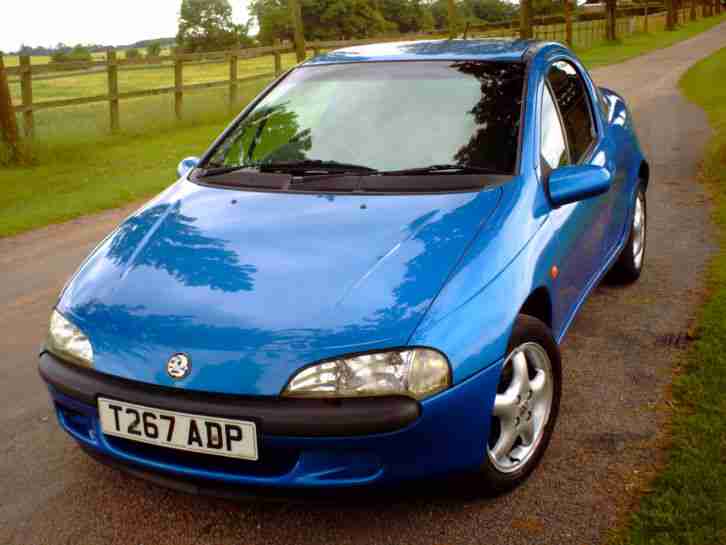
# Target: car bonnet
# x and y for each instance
(254, 285)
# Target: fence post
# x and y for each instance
(568, 23)
(296, 16)
(233, 85)
(670, 15)
(451, 7)
(8, 121)
(645, 19)
(113, 90)
(611, 20)
(26, 91)
(525, 21)
(278, 63)
(178, 84)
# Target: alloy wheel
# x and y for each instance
(638, 231)
(522, 407)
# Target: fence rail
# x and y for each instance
(584, 35)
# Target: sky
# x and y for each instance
(108, 22)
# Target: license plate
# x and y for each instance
(203, 434)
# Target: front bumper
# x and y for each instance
(303, 443)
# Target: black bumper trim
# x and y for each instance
(275, 415)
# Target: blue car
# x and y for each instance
(364, 280)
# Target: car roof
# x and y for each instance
(495, 49)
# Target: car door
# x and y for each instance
(569, 136)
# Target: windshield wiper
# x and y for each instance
(214, 170)
(441, 169)
(315, 166)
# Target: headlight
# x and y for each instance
(68, 342)
(417, 372)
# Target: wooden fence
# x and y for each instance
(584, 34)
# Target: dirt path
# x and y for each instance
(616, 372)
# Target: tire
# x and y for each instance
(501, 473)
(629, 265)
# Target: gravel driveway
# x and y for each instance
(618, 359)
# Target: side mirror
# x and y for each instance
(576, 183)
(186, 165)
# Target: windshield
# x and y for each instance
(384, 116)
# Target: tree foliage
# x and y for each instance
(407, 15)
(79, 53)
(322, 19)
(344, 19)
(153, 49)
(207, 25)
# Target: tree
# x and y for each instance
(406, 15)
(206, 25)
(343, 19)
(546, 7)
(322, 19)
(79, 53)
(490, 10)
(273, 20)
(132, 53)
(153, 49)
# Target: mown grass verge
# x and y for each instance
(75, 169)
(687, 502)
(72, 174)
(641, 43)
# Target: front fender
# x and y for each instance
(472, 318)
(476, 333)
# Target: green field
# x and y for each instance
(95, 82)
(143, 115)
(13, 60)
(74, 167)
(687, 504)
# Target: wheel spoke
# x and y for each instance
(526, 432)
(505, 405)
(538, 383)
(506, 440)
(521, 373)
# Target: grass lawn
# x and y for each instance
(93, 83)
(687, 504)
(641, 43)
(73, 174)
(77, 168)
(13, 60)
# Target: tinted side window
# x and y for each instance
(574, 104)
(553, 149)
